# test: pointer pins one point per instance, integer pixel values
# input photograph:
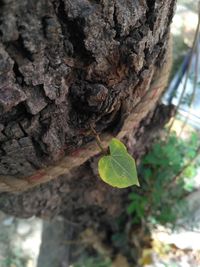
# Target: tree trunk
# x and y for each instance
(66, 66)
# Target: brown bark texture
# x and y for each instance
(67, 65)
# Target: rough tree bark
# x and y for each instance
(66, 65)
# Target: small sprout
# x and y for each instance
(118, 169)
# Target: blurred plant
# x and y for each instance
(15, 258)
(167, 173)
(170, 265)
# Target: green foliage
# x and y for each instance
(14, 258)
(118, 169)
(165, 182)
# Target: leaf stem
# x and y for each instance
(98, 140)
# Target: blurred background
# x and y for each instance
(165, 213)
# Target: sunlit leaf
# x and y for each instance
(118, 169)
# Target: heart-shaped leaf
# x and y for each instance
(118, 169)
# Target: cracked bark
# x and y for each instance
(65, 65)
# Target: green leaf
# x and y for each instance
(118, 169)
